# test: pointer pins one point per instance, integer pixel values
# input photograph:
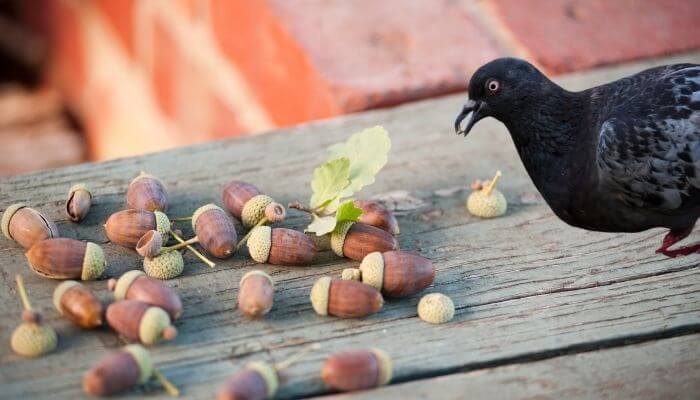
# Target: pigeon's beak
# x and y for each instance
(470, 113)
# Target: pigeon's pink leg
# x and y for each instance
(674, 237)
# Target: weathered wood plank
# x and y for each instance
(663, 369)
(524, 284)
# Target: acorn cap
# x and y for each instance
(124, 282)
(31, 339)
(143, 359)
(260, 243)
(79, 186)
(372, 268)
(436, 308)
(94, 263)
(168, 265)
(351, 274)
(319, 295)
(155, 325)
(256, 272)
(338, 236)
(59, 291)
(162, 224)
(385, 367)
(7, 217)
(487, 206)
(269, 375)
(143, 175)
(201, 210)
(254, 210)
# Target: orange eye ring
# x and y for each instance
(493, 86)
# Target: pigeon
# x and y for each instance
(621, 157)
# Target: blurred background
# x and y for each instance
(99, 79)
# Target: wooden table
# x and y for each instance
(543, 309)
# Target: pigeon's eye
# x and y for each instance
(493, 86)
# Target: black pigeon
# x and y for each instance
(621, 157)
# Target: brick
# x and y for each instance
(567, 35)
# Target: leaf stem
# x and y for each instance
(169, 387)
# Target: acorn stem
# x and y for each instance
(243, 240)
(492, 184)
(181, 219)
(167, 385)
(296, 357)
(193, 250)
(298, 206)
(23, 293)
(180, 245)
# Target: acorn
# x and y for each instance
(146, 192)
(280, 246)
(123, 370)
(125, 228)
(150, 246)
(135, 285)
(79, 304)
(256, 292)
(394, 273)
(215, 231)
(377, 215)
(485, 201)
(246, 202)
(345, 299)
(436, 308)
(357, 370)
(31, 338)
(79, 202)
(355, 240)
(63, 258)
(139, 321)
(167, 265)
(26, 226)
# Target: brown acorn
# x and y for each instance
(135, 285)
(79, 304)
(355, 240)
(146, 192)
(345, 298)
(377, 215)
(123, 370)
(257, 381)
(79, 202)
(246, 202)
(280, 246)
(138, 321)
(125, 228)
(63, 258)
(256, 293)
(357, 370)
(215, 231)
(395, 273)
(26, 226)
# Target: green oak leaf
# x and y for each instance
(330, 179)
(348, 212)
(322, 225)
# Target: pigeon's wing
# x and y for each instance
(648, 152)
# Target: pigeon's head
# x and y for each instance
(498, 89)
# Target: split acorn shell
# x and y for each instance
(26, 226)
(215, 231)
(280, 246)
(355, 240)
(357, 370)
(33, 338)
(256, 293)
(377, 215)
(79, 202)
(126, 227)
(257, 381)
(78, 304)
(345, 298)
(139, 321)
(397, 273)
(167, 265)
(63, 258)
(436, 308)
(135, 285)
(146, 192)
(119, 371)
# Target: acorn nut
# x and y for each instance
(345, 298)
(26, 226)
(357, 370)
(487, 202)
(127, 227)
(256, 292)
(31, 338)
(248, 204)
(79, 304)
(146, 192)
(78, 203)
(436, 308)
(395, 273)
(167, 265)
(63, 258)
(135, 285)
(257, 381)
(215, 231)
(355, 240)
(139, 321)
(377, 215)
(280, 246)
